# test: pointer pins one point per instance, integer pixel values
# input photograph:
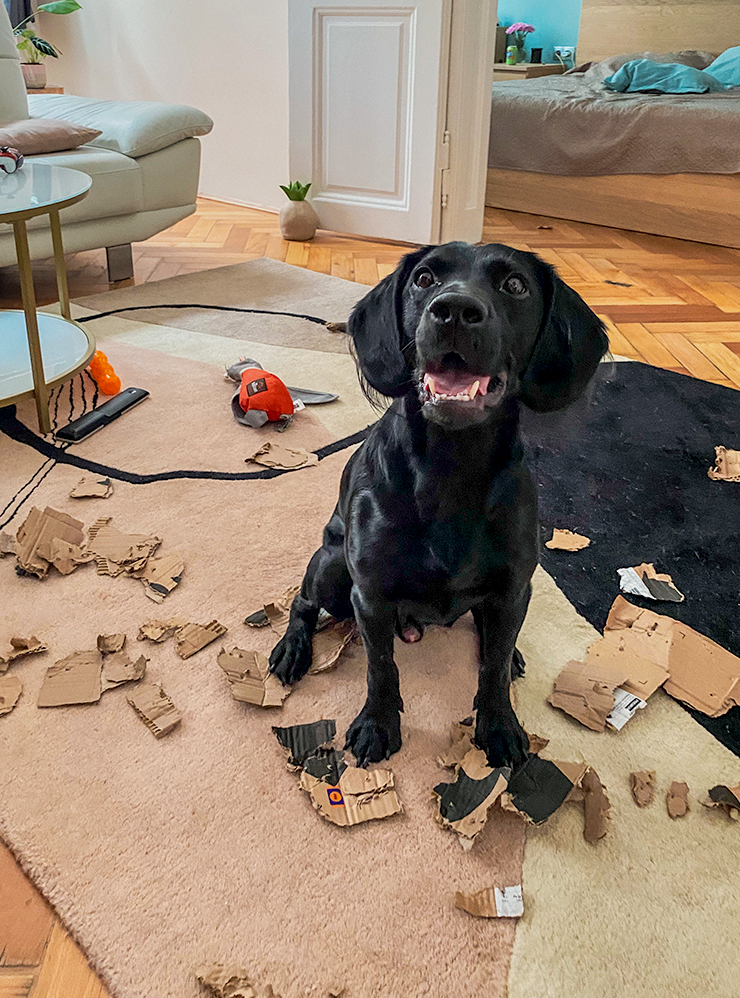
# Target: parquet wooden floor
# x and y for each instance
(667, 302)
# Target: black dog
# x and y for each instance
(437, 512)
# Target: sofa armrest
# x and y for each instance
(133, 128)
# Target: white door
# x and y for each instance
(369, 102)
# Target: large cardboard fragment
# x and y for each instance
(464, 804)
(643, 580)
(74, 679)
(596, 807)
(66, 557)
(277, 611)
(329, 643)
(642, 787)
(302, 740)
(566, 540)
(192, 638)
(46, 537)
(677, 799)
(159, 630)
(116, 552)
(7, 544)
(586, 692)
(726, 466)
(226, 981)
(360, 795)
(21, 647)
(492, 902)
(726, 798)
(248, 673)
(10, 691)
(92, 487)
(642, 675)
(160, 576)
(539, 788)
(701, 672)
(155, 708)
(118, 668)
(276, 455)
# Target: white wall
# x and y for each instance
(229, 58)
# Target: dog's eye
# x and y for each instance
(424, 279)
(515, 286)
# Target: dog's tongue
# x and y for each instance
(455, 383)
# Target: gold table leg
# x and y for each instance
(40, 390)
(56, 239)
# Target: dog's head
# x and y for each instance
(468, 326)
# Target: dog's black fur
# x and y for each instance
(437, 512)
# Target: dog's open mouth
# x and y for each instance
(452, 386)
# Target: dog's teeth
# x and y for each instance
(474, 389)
(429, 384)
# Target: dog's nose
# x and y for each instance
(456, 309)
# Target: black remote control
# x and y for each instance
(93, 421)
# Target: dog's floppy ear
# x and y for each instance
(571, 342)
(376, 328)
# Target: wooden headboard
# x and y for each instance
(613, 27)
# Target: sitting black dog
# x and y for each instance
(437, 512)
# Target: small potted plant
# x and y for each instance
(517, 33)
(33, 49)
(298, 220)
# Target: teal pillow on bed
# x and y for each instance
(726, 67)
(665, 78)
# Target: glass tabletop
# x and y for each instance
(38, 185)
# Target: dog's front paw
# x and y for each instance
(292, 656)
(504, 741)
(372, 738)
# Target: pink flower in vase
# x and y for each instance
(517, 32)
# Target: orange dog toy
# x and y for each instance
(103, 374)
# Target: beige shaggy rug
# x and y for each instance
(164, 855)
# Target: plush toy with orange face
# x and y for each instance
(264, 398)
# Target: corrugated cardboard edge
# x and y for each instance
(10, 691)
(482, 904)
(361, 795)
(475, 767)
(155, 708)
(159, 630)
(192, 638)
(250, 680)
(727, 465)
(36, 535)
(160, 576)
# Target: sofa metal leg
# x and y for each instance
(120, 262)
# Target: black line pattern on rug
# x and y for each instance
(217, 308)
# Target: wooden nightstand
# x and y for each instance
(525, 70)
(60, 90)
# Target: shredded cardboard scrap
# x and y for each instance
(275, 455)
(596, 807)
(21, 647)
(160, 576)
(539, 788)
(492, 902)
(302, 740)
(643, 580)
(74, 679)
(192, 638)
(116, 552)
(110, 643)
(155, 708)
(461, 742)
(701, 673)
(464, 804)
(226, 981)
(726, 798)
(586, 692)
(49, 538)
(642, 787)
(10, 690)
(677, 799)
(326, 764)
(726, 466)
(118, 669)
(160, 630)
(567, 540)
(7, 544)
(92, 487)
(248, 673)
(360, 795)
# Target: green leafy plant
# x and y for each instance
(32, 48)
(296, 191)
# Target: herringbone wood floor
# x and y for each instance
(669, 303)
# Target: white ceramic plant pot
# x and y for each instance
(298, 220)
(34, 73)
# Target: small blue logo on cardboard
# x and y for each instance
(335, 795)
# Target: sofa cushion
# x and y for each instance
(133, 128)
(13, 105)
(40, 135)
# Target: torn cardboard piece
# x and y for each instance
(567, 540)
(155, 708)
(46, 538)
(702, 673)
(326, 764)
(10, 691)
(192, 638)
(160, 576)
(74, 679)
(249, 676)
(677, 799)
(596, 807)
(329, 643)
(464, 804)
(226, 982)
(461, 742)
(108, 644)
(119, 669)
(276, 455)
(7, 544)
(492, 902)
(302, 740)
(21, 647)
(116, 552)
(642, 787)
(159, 630)
(360, 795)
(586, 692)
(92, 487)
(726, 465)
(275, 613)
(643, 580)
(539, 788)
(726, 798)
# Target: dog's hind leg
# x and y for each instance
(327, 584)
